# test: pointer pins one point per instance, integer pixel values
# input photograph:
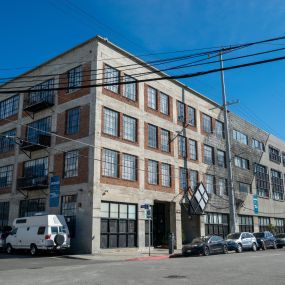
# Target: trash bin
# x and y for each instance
(171, 242)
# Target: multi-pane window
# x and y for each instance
(216, 224)
(220, 129)
(279, 225)
(182, 146)
(32, 206)
(68, 210)
(6, 176)
(129, 128)
(152, 136)
(183, 178)
(193, 150)
(241, 162)
(191, 116)
(164, 104)
(274, 154)
(4, 214)
(283, 158)
(246, 224)
(263, 223)
(262, 180)
(74, 78)
(256, 144)
(111, 78)
(36, 168)
(151, 98)
(181, 111)
(221, 155)
(9, 107)
(193, 179)
(111, 122)
(277, 185)
(208, 155)
(222, 183)
(129, 163)
(71, 163)
(72, 121)
(210, 183)
(207, 123)
(130, 91)
(38, 128)
(165, 140)
(240, 137)
(110, 163)
(244, 187)
(165, 175)
(46, 93)
(7, 141)
(153, 172)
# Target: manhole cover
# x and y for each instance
(175, 277)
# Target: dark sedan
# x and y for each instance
(265, 240)
(206, 246)
(280, 240)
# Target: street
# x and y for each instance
(264, 267)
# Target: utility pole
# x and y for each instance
(233, 222)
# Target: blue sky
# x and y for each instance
(34, 31)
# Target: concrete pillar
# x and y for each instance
(141, 229)
(13, 210)
(255, 224)
(96, 225)
(178, 225)
(202, 225)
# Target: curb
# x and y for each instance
(160, 257)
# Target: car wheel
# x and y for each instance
(263, 246)
(225, 249)
(239, 248)
(254, 247)
(33, 250)
(206, 251)
(9, 248)
(274, 245)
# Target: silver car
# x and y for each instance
(241, 241)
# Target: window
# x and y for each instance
(183, 178)
(7, 141)
(240, 137)
(181, 111)
(72, 121)
(111, 122)
(164, 104)
(41, 230)
(4, 214)
(74, 78)
(182, 146)
(257, 144)
(207, 123)
(283, 158)
(220, 129)
(279, 225)
(36, 168)
(274, 154)
(223, 189)
(152, 136)
(151, 99)
(193, 150)
(208, 155)
(210, 187)
(68, 210)
(193, 179)
(9, 107)
(165, 175)
(246, 224)
(38, 128)
(129, 128)
(6, 176)
(46, 95)
(71, 163)
(191, 116)
(153, 172)
(165, 140)
(217, 224)
(129, 167)
(263, 223)
(277, 185)
(110, 163)
(221, 158)
(130, 88)
(244, 187)
(111, 76)
(30, 207)
(241, 162)
(262, 180)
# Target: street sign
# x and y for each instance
(255, 204)
(145, 206)
(54, 191)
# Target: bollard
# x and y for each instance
(171, 243)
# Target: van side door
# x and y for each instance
(13, 238)
(40, 237)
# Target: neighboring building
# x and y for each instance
(116, 148)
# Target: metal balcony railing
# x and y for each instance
(39, 141)
(38, 101)
(32, 183)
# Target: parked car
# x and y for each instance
(241, 241)
(40, 232)
(265, 240)
(206, 245)
(280, 240)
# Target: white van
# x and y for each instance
(39, 232)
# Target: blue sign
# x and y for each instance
(255, 204)
(54, 191)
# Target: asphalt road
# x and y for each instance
(262, 268)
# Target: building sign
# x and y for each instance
(255, 204)
(199, 200)
(54, 191)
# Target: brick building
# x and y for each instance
(121, 146)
